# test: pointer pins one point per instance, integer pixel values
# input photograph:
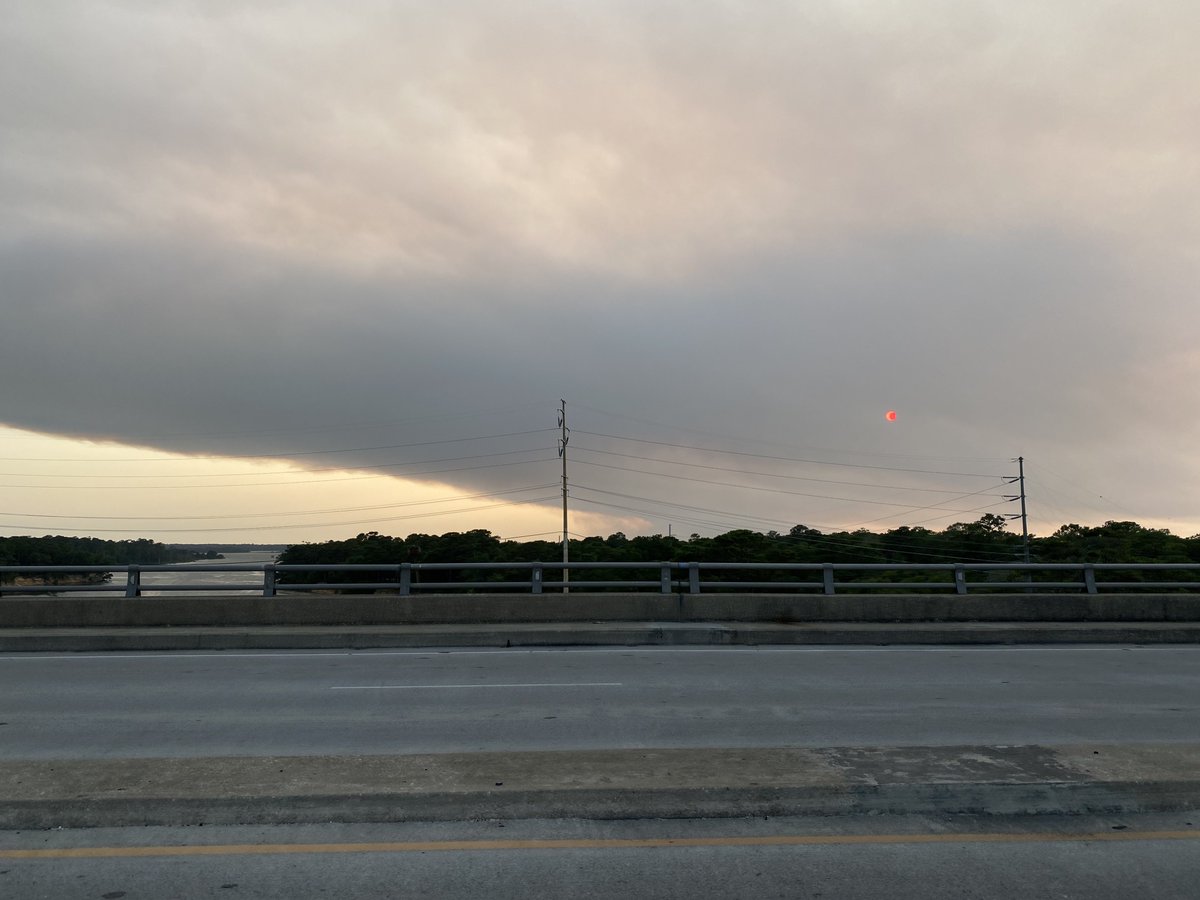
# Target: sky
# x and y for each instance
(292, 271)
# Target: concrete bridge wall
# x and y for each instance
(378, 609)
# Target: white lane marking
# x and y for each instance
(420, 687)
(527, 651)
(150, 655)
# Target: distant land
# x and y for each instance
(61, 550)
(985, 540)
(204, 549)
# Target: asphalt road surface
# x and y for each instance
(384, 702)
(852, 858)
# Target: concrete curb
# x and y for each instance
(614, 784)
(67, 640)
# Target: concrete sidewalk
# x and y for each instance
(612, 784)
(574, 634)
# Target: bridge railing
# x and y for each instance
(662, 577)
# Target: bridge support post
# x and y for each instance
(960, 580)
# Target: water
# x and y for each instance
(193, 573)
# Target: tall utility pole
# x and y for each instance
(1020, 460)
(1024, 516)
(562, 451)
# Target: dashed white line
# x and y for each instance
(419, 687)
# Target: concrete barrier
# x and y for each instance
(942, 608)
(1080, 779)
(378, 609)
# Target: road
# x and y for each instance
(114, 706)
(383, 702)
(909, 858)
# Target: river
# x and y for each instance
(194, 573)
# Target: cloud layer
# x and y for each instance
(220, 225)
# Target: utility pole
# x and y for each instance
(1020, 461)
(562, 451)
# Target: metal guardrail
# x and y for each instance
(672, 577)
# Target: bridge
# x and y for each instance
(668, 577)
(720, 704)
(224, 606)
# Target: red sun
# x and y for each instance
(890, 415)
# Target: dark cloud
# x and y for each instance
(759, 229)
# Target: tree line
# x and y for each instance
(986, 540)
(57, 550)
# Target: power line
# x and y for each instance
(658, 502)
(706, 433)
(668, 503)
(373, 426)
(295, 525)
(935, 506)
(897, 546)
(772, 490)
(280, 453)
(959, 512)
(817, 462)
(1111, 503)
(763, 474)
(679, 518)
(824, 540)
(173, 487)
(289, 471)
(277, 513)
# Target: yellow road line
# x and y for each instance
(782, 840)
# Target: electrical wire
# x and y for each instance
(295, 525)
(301, 512)
(959, 512)
(822, 540)
(289, 471)
(281, 453)
(815, 449)
(657, 502)
(400, 423)
(817, 462)
(933, 506)
(174, 487)
(1112, 504)
(955, 495)
(707, 510)
(691, 521)
(773, 490)
(750, 472)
